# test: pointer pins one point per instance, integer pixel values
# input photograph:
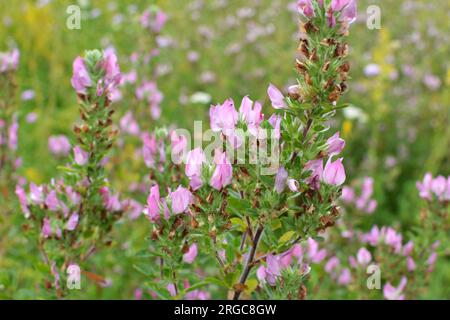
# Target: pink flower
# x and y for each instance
(172, 290)
(223, 173)
(280, 180)
(293, 185)
(51, 201)
(316, 168)
(332, 264)
(153, 20)
(424, 187)
(110, 201)
(273, 269)
(392, 293)
(178, 146)
(72, 222)
(315, 255)
(13, 135)
(306, 7)
(223, 117)
(275, 122)
(112, 77)
(276, 97)
(153, 204)
(194, 162)
(373, 236)
(334, 172)
(59, 145)
(439, 186)
(348, 194)
(181, 199)
(432, 259)
(21, 194)
(80, 156)
(410, 264)
(261, 274)
(345, 277)
(252, 116)
(36, 194)
(408, 248)
(46, 230)
(363, 256)
(335, 145)
(190, 256)
(393, 239)
(80, 78)
(128, 124)
(9, 60)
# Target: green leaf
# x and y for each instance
(239, 224)
(286, 237)
(251, 285)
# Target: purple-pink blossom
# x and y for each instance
(276, 97)
(334, 172)
(223, 173)
(181, 199)
(191, 254)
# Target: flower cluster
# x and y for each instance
(77, 212)
(9, 126)
(438, 188)
(364, 201)
(236, 210)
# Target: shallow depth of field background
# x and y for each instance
(398, 130)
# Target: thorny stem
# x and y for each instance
(249, 262)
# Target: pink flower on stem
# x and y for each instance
(332, 264)
(172, 289)
(363, 257)
(193, 170)
(275, 122)
(36, 194)
(152, 210)
(51, 201)
(80, 156)
(348, 194)
(178, 146)
(59, 145)
(251, 113)
(306, 8)
(21, 194)
(80, 79)
(345, 277)
(424, 187)
(181, 199)
(316, 168)
(9, 60)
(392, 293)
(334, 172)
(191, 254)
(280, 180)
(223, 173)
(273, 269)
(335, 145)
(223, 117)
(46, 230)
(72, 222)
(153, 19)
(276, 97)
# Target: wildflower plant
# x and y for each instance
(70, 218)
(8, 121)
(248, 216)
